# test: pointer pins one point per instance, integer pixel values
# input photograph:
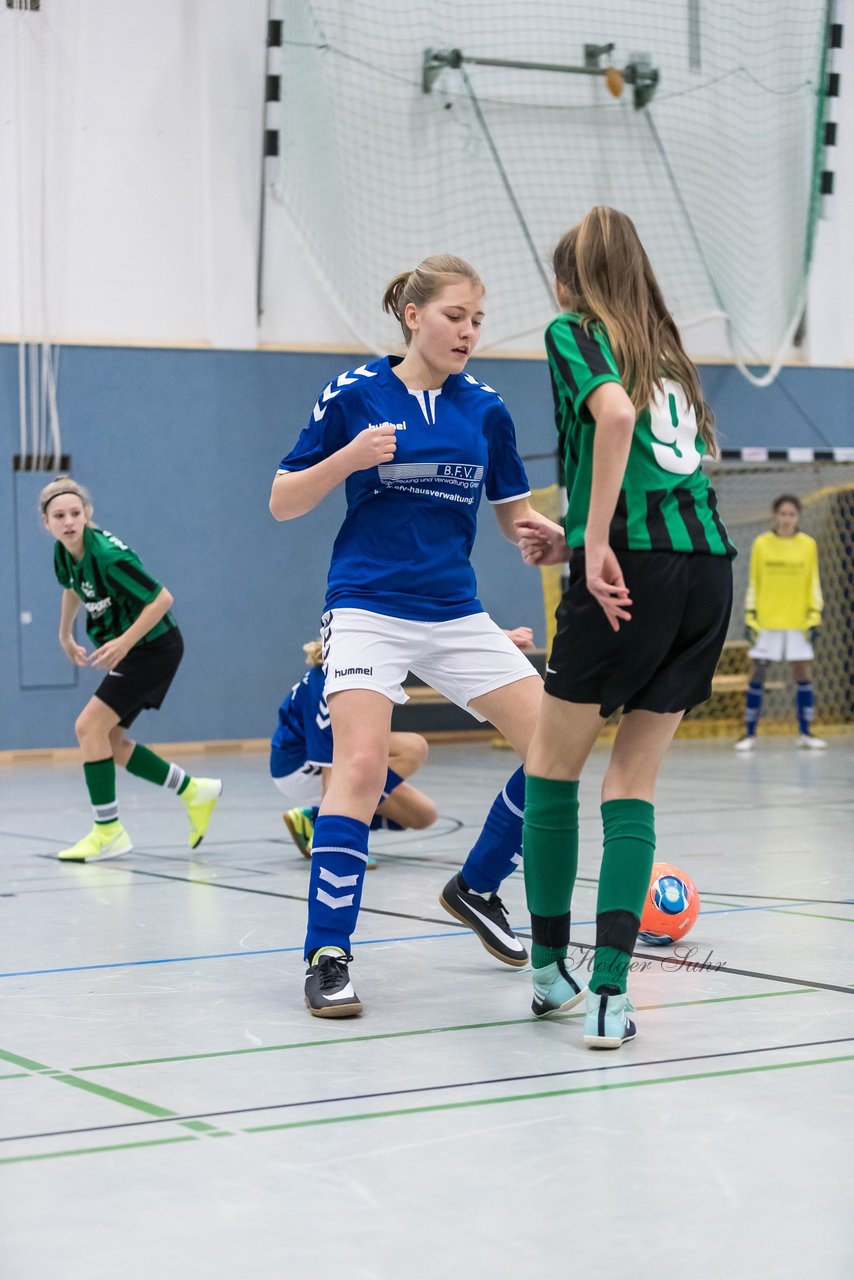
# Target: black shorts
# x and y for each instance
(142, 679)
(664, 659)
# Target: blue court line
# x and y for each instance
(367, 942)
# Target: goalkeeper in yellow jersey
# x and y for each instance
(783, 615)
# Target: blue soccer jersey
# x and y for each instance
(304, 732)
(404, 547)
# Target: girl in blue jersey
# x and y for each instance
(416, 440)
(301, 763)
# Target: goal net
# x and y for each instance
(746, 486)
(487, 129)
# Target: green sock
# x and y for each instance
(550, 843)
(146, 764)
(100, 778)
(628, 852)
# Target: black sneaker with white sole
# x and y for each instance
(328, 990)
(487, 917)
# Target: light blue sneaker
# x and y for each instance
(607, 1024)
(556, 990)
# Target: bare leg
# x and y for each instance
(121, 747)
(93, 728)
(639, 748)
(361, 730)
(513, 710)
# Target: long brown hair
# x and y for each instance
(606, 276)
(423, 284)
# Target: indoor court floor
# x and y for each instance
(170, 1109)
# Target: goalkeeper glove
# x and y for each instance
(813, 634)
(751, 630)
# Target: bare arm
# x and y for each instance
(615, 416)
(517, 515)
(295, 493)
(68, 612)
(110, 654)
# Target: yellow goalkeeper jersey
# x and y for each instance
(784, 593)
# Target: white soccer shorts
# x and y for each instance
(781, 646)
(461, 659)
(304, 787)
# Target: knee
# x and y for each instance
(425, 815)
(760, 671)
(83, 728)
(419, 750)
(365, 770)
(408, 753)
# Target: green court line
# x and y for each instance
(18, 1061)
(787, 911)
(433, 1108)
(17, 1075)
(423, 1031)
(812, 915)
(112, 1095)
(550, 1093)
(101, 1091)
(92, 1151)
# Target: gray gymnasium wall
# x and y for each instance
(179, 448)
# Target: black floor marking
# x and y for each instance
(428, 1088)
(673, 961)
(288, 897)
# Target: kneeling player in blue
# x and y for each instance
(416, 440)
(138, 649)
(301, 763)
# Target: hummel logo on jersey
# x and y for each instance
(344, 380)
(376, 426)
(353, 671)
(88, 590)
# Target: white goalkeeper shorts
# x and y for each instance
(782, 646)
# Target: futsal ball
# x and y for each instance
(671, 906)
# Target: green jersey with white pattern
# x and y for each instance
(112, 584)
(666, 502)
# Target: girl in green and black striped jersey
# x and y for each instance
(643, 621)
(138, 648)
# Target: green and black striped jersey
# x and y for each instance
(112, 584)
(666, 502)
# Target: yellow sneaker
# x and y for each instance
(201, 798)
(300, 823)
(105, 840)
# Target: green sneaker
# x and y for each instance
(105, 840)
(556, 989)
(300, 823)
(201, 798)
(607, 1024)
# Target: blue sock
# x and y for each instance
(498, 849)
(804, 703)
(392, 780)
(380, 823)
(338, 861)
(315, 810)
(753, 709)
